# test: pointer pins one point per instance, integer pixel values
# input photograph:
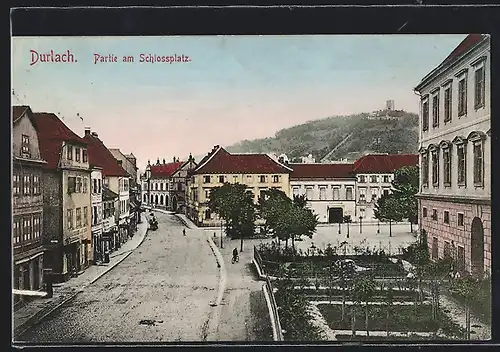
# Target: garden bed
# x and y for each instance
(399, 295)
(312, 267)
(401, 318)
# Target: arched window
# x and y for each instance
(152, 198)
(156, 199)
(145, 197)
(161, 199)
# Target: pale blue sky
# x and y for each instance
(234, 88)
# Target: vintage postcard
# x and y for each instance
(251, 188)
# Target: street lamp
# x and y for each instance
(148, 178)
(360, 224)
(221, 243)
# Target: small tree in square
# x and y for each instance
(388, 209)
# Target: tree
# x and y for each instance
(300, 200)
(387, 209)
(466, 288)
(285, 218)
(389, 301)
(364, 290)
(405, 187)
(235, 205)
(345, 274)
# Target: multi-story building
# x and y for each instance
(455, 136)
(66, 211)
(177, 186)
(117, 180)
(159, 183)
(329, 189)
(129, 163)
(110, 201)
(96, 213)
(257, 171)
(375, 173)
(27, 202)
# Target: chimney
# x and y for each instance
(163, 160)
(87, 131)
(158, 161)
(94, 134)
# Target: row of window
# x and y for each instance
(77, 184)
(79, 154)
(26, 184)
(446, 216)
(459, 155)
(322, 193)
(77, 218)
(479, 97)
(374, 178)
(262, 178)
(26, 228)
(457, 253)
(165, 186)
(96, 186)
(157, 200)
(374, 193)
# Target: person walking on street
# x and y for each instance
(235, 256)
(184, 232)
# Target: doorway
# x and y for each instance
(477, 247)
(335, 215)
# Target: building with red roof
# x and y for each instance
(374, 176)
(329, 189)
(167, 184)
(455, 152)
(27, 203)
(117, 180)
(66, 193)
(257, 171)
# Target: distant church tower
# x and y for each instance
(389, 105)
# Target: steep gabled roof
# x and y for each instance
(18, 111)
(322, 170)
(100, 156)
(165, 170)
(379, 163)
(220, 161)
(52, 133)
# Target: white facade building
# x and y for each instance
(96, 213)
(330, 189)
(455, 154)
(374, 175)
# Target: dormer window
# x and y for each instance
(25, 145)
(70, 152)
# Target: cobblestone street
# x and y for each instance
(161, 292)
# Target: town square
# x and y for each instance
(234, 199)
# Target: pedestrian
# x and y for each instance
(184, 232)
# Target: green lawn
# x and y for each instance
(402, 318)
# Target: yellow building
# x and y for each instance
(258, 172)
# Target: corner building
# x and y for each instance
(455, 135)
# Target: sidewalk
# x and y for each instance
(34, 311)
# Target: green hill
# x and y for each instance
(321, 138)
